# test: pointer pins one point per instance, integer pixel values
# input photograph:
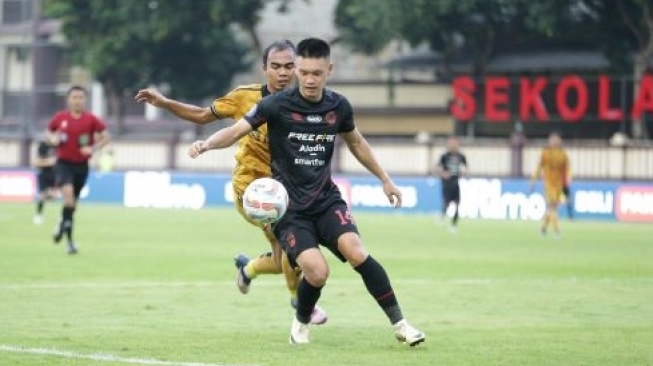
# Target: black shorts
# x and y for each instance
(297, 232)
(71, 173)
(46, 179)
(450, 193)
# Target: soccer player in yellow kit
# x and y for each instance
(252, 156)
(554, 167)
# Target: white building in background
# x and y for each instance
(35, 69)
(16, 76)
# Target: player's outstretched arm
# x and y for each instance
(361, 150)
(221, 139)
(189, 112)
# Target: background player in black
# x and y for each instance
(302, 124)
(451, 166)
(44, 162)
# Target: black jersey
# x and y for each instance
(302, 137)
(451, 162)
(45, 150)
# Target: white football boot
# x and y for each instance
(408, 334)
(298, 332)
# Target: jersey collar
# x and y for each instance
(264, 90)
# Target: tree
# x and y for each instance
(462, 29)
(364, 30)
(188, 45)
(246, 14)
(624, 30)
(453, 27)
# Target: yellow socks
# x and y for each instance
(291, 274)
(263, 264)
(545, 220)
(553, 219)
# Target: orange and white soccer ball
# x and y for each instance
(265, 200)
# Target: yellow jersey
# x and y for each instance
(253, 153)
(554, 164)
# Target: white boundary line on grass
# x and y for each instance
(345, 282)
(104, 357)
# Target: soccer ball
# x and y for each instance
(265, 200)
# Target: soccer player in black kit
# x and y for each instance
(303, 123)
(44, 162)
(450, 167)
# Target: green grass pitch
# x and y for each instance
(156, 287)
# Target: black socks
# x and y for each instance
(307, 296)
(378, 285)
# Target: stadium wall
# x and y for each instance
(482, 198)
(487, 158)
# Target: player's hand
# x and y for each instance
(54, 139)
(151, 96)
(57, 137)
(445, 175)
(197, 148)
(393, 193)
(86, 150)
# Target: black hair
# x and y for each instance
(277, 46)
(76, 88)
(313, 48)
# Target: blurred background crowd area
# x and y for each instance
(500, 74)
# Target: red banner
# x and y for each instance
(635, 203)
(17, 186)
(571, 98)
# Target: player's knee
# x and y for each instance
(314, 267)
(68, 195)
(358, 258)
(351, 247)
(317, 276)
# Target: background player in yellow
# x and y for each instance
(252, 156)
(554, 168)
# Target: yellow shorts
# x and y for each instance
(552, 193)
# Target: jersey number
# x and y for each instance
(345, 217)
